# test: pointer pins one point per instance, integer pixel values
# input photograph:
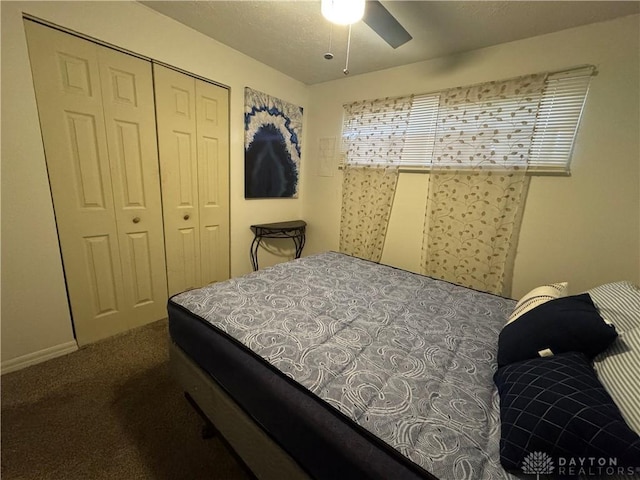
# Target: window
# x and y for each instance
(558, 119)
(555, 117)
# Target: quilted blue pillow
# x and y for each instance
(568, 324)
(557, 407)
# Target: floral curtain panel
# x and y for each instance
(478, 181)
(373, 133)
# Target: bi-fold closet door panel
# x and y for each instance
(212, 115)
(97, 116)
(193, 132)
(127, 94)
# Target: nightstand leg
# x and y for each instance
(299, 243)
(253, 252)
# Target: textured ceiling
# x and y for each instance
(292, 36)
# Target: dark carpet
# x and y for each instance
(108, 411)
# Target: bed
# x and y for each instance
(332, 367)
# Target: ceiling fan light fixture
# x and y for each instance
(343, 12)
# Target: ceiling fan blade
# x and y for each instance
(384, 24)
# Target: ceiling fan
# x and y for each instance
(375, 15)
(348, 12)
(384, 24)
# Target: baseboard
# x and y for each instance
(38, 357)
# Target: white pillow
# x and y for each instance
(618, 303)
(618, 368)
(538, 296)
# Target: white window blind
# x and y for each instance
(558, 119)
(421, 133)
(555, 119)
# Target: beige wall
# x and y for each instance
(35, 316)
(584, 228)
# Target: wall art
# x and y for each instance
(272, 146)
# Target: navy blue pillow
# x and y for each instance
(567, 324)
(556, 409)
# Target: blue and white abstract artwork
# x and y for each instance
(272, 129)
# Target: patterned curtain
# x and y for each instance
(373, 133)
(473, 212)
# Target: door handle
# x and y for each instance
(186, 217)
(136, 219)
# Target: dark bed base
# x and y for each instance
(256, 449)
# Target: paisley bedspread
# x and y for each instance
(407, 357)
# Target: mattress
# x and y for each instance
(357, 370)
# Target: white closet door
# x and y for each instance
(176, 118)
(212, 112)
(193, 132)
(69, 93)
(127, 94)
